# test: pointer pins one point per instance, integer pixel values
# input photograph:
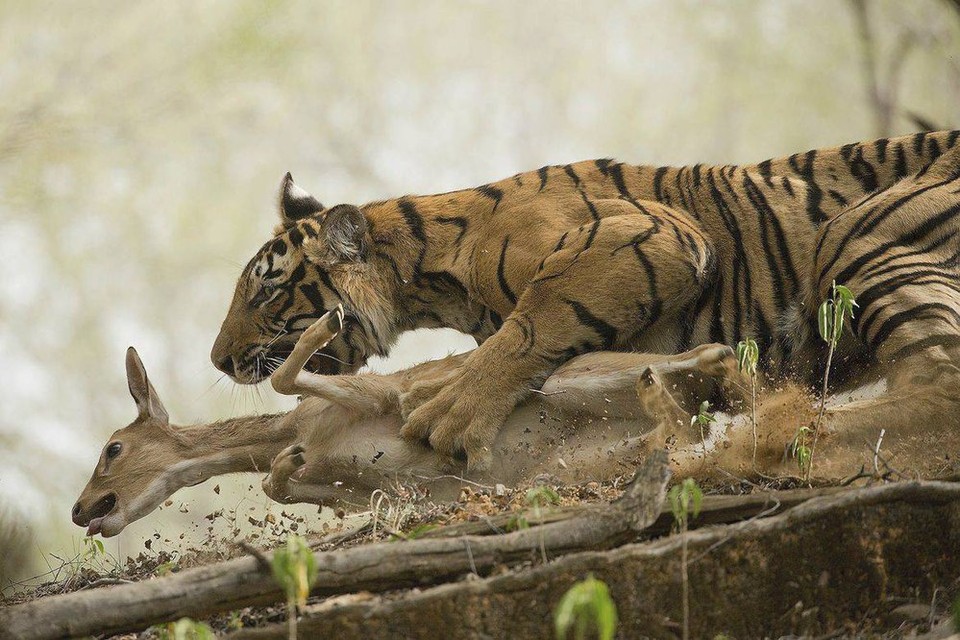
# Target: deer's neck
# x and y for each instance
(247, 443)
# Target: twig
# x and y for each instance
(473, 565)
(876, 452)
(102, 582)
(547, 393)
(262, 560)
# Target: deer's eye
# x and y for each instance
(114, 449)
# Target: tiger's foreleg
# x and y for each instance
(614, 281)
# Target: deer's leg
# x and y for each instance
(276, 484)
(663, 389)
(294, 478)
(366, 394)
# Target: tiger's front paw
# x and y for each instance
(459, 418)
(419, 394)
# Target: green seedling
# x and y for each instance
(295, 569)
(800, 451)
(703, 420)
(748, 355)
(586, 605)
(185, 629)
(830, 322)
(540, 497)
(685, 500)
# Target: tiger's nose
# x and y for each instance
(227, 365)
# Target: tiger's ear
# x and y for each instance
(295, 203)
(344, 237)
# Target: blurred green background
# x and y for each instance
(142, 143)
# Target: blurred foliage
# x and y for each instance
(141, 145)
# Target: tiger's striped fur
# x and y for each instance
(545, 265)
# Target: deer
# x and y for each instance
(591, 419)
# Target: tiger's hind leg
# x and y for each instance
(899, 253)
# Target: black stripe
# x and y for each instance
(696, 175)
(413, 219)
(764, 169)
(768, 218)
(415, 223)
(880, 146)
(590, 206)
(741, 264)
(945, 340)
(312, 293)
(491, 192)
(542, 172)
(814, 194)
(501, 277)
(877, 269)
(933, 149)
(915, 313)
(918, 142)
(658, 185)
(868, 222)
(457, 221)
(603, 165)
(606, 331)
(837, 197)
(787, 185)
(900, 163)
(863, 171)
(925, 228)
(573, 174)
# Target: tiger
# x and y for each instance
(598, 255)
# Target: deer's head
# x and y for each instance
(140, 466)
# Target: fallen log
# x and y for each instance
(382, 567)
(823, 567)
(715, 510)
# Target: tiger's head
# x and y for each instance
(317, 259)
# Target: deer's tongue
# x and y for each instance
(94, 527)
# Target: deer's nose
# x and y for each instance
(77, 515)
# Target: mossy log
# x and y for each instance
(819, 568)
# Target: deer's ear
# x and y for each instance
(295, 203)
(148, 402)
(344, 237)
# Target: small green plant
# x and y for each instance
(800, 451)
(185, 629)
(295, 569)
(586, 605)
(92, 549)
(685, 500)
(703, 420)
(830, 320)
(748, 355)
(540, 497)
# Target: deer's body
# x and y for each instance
(343, 439)
(591, 420)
